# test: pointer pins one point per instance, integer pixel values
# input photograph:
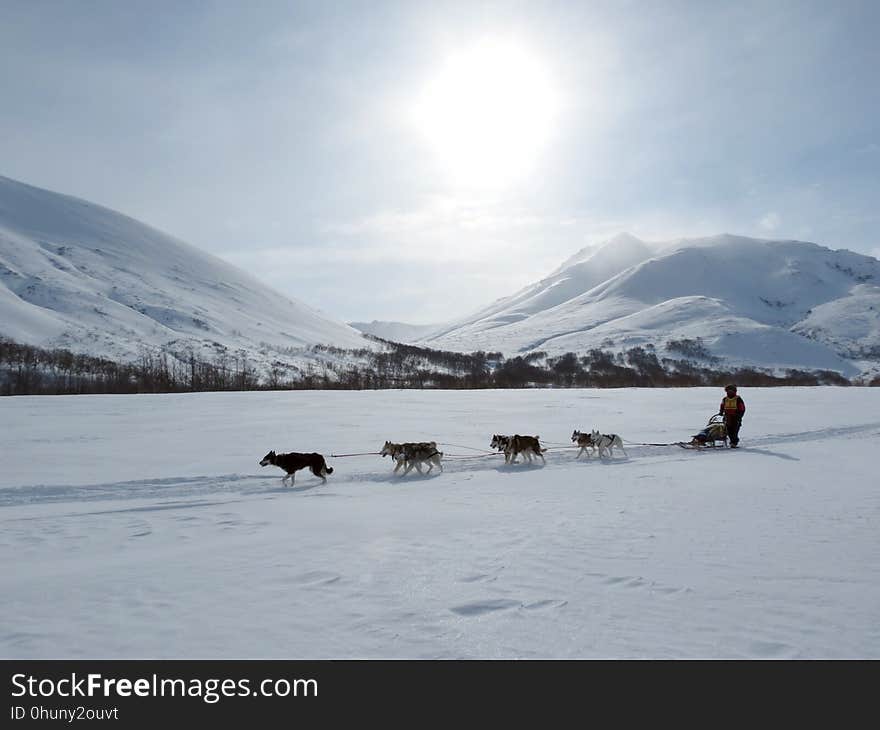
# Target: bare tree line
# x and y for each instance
(29, 370)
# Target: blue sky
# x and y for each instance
(282, 136)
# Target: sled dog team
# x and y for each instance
(597, 441)
(414, 455)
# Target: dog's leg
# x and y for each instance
(543, 460)
(583, 448)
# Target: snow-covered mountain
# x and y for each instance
(775, 304)
(395, 331)
(80, 276)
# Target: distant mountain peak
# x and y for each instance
(760, 302)
(618, 246)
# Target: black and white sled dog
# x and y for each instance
(607, 441)
(585, 441)
(293, 462)
(412, 455)
(513, 446)
(500, 443)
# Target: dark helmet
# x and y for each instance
(730, 388)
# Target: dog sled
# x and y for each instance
(709, 437)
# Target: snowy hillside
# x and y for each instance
(775, 304)
(79, 276)
(153, 532)
(587, 268)
(395, 331)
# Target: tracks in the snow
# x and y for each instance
(369, 469)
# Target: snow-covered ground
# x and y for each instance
(142, 526)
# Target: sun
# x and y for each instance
(488, 113)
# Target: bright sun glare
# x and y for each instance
(488, 113)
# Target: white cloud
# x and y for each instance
(770, 222)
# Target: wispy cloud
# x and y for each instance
(279, 134)
(770, 222)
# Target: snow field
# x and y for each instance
(142, 526)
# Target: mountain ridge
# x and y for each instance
(83, 277)
(79, 276)
(782, 303)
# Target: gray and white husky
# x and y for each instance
(412, 455)
(607, 441)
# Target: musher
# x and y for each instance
(733, 409)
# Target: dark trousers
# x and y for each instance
(733, 425)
